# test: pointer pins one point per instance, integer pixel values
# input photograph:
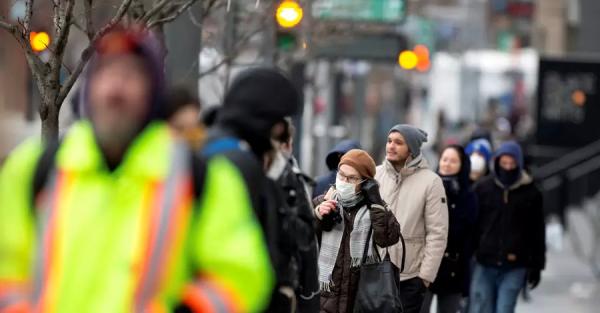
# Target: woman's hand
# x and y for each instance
(327, 207)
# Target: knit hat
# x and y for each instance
(414, 137)
(361, 161)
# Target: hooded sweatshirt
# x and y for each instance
(332, 160)
(510, 227)
(257, 99)
(121, 41)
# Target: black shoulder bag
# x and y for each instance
(379, 283)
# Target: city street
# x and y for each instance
(255, 155)
(567, 286)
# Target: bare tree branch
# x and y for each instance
(22, 38)
(206, 11)
(86, 54)
(215, 67)
(8, 27)
(89, 25)
(63, 29)
(238, 47)
(173, 16)
(156, 9)
(28, 15)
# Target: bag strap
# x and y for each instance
(44, 166)
(403, 253)
(366, 250)
(387, 251)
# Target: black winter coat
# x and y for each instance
(454, 274)
(510, 228)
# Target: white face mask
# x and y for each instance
(477, 163)
(346, 191)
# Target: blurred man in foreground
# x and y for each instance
(114, 219)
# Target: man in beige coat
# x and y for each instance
(416, 196)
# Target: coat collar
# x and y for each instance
(145, 156)
(524, 180)
(412, 165)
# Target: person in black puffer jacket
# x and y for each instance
(511, 249)
(453, 278)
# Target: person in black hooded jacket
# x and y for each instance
(453, 278)
(253, 112)
(511, 247)
(332, 160)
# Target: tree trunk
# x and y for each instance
(49, 116)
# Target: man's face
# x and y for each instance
(119, 97)
(185, 120)
(507, 162)
(396, 149)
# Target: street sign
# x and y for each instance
(378, 11)
(360, 47)
(568, 102)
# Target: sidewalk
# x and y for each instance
(567, 286)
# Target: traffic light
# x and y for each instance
(407, 59)
(288, 16)
(423, 62)
(417, 58)
(39, 41)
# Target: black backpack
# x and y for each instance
(304, 259)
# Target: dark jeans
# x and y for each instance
(412, 292)
(446, 303)
(495, 290)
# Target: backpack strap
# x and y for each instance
(43, 168)
(209, 149)
(221, 145)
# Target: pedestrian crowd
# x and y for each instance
(145, 205)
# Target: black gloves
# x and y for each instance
(371, 190)
(534, 276)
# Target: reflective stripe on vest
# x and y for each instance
(46, 268)
(206, 295)
(171, 211)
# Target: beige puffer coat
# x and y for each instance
(416, 196)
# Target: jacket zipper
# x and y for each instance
(503, 226)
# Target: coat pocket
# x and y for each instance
(414, 255)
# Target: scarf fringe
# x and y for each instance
(326, 286)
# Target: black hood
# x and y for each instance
(257, 99)
(334, 156)
(465, 167)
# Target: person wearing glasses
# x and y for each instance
(344, 217)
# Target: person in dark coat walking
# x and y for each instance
(344, 218)
(333, 159)
(511, 250)
(453, 278)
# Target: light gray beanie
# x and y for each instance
(413, 136)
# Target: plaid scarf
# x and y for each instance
(331, 241)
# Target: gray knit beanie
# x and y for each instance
(413, 136)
